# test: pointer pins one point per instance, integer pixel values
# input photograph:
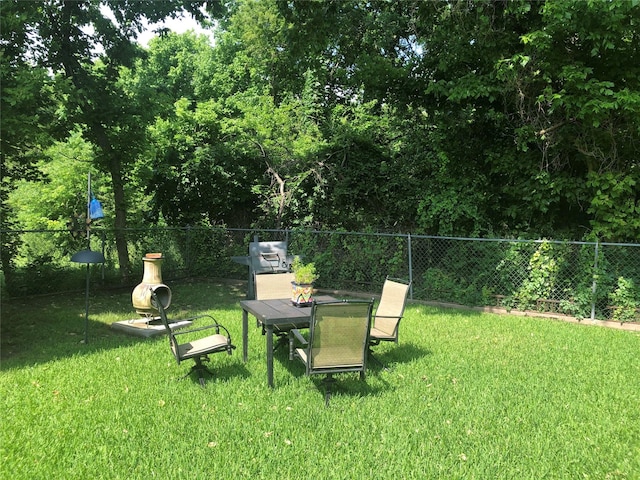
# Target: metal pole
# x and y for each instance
(86, 309)
(102, 250)
(594, 285)
(88, 220)
(86, 298)
(410, 267)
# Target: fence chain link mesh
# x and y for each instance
(580, 279)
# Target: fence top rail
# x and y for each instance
(523, 240)
(335, 232)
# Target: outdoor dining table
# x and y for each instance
(278, 314)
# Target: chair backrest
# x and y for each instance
(271, 286)
(339, 335)
(391, 306)
(156, 303)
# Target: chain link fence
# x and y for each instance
(580, 279)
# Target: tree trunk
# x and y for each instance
(86, 90)
(120, 221)
(113, 163)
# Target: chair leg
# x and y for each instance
(373, 357)
(328, 382)
(282, 340)
(291, 346)
(200, 369)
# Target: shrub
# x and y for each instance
(626, 300)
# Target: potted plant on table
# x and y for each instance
(302, 287)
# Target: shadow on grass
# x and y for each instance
(46, 328)
(350, 383)
(402, 353)
(221, 373)
(39, 339)
(347, 384)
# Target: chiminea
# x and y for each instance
(151, 282)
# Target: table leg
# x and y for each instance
(269, 334)
(245, 335)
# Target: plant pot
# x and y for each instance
(302, 294)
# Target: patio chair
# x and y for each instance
(338, 338)
(274, 286)
(386, 320)
(197, 347)
(270, 286)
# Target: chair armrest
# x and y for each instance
(295, 334)
(196, 317)
(399, 317)
(217, 326)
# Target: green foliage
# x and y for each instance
(626, 301)
(462, 274)
(359, 262)
(62, 203)
(592, 270)
(62, 188)
(462, 118)
(89, 70)
(28, 120)
(541, 276)
(561, 273)
(443, 286)
(305, 273)
(574, 104)
(615, 205)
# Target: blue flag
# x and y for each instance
(95, 209)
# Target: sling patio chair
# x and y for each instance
(386, 320)
(197, 347)
(270, 286)
(338, 338)
(274, 286)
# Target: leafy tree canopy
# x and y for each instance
(453, 118)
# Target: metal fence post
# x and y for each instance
(188, 248)
(594, 285)
(103, 246)
(410, 266)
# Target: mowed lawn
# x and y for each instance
(467, 395)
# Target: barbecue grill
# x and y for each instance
(264, 258)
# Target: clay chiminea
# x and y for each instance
(151, 282)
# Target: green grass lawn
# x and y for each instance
(468, 395)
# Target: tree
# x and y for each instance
(460, 118)
(57, 201)
(513, 110)
(61, 39)
(576, 85)
(27, 122)
(236, 147)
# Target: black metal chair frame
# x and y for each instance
(383, 313)
(198, 350)
(305, 354)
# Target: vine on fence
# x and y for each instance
(626, 301)
(576, 278)
(541, 278)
